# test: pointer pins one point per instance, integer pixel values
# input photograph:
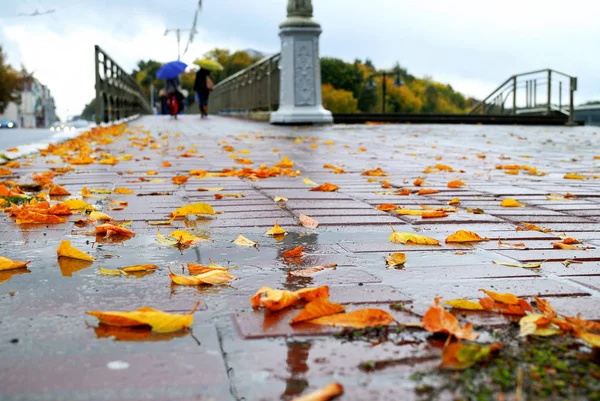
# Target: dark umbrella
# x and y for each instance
(171, 70)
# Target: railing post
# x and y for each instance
(514, 110)
(534, 93)
(548, 105)
(560, 95)
(98, 83)
(572, 89)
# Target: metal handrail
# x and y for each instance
(254, 88)
(118, 95)
(512, 84)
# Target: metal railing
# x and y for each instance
(522, 89)
(118, 95)
(255, 88)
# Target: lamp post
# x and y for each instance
(397, 82)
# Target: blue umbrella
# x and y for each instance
(171, 70)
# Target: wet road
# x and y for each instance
(10, 138)
(238, 353)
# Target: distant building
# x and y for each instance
(37, 108)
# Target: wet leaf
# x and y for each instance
(327, 187)
(309, 294)
(139, 268)
(276, 230)
(533, 265)
(529, 326)
(323, 394)
(310, 182)
(378, 172)
(180, 179)
(395, 259)
(574, 176)
(112, 229)
(123, 191)
(427, 191)
(213, 277)
(243, 241)
(584, 324)
(439, 320)
(357, 319)
(410, 212)
(280, 199)
(164, 241)
(430, 214)
(292, 253)
(458, 356)
(9, 264)
(456, 184)
(590, 338)
(159, 321)
(566, 246)
(285, 163)
(66, 250)
(509, 202)
(454, 202)
(385, 184)
(387, 207)
(464, 304)
(509, 299)
(308, 222)
(532, 227)
(99, 216)
(186, 238)
(273, 300)
(76, 204)
(58, 190)
(308, 272)
(520, 309)
(418, 182)
(411, 238)
(318, 308)
(193, 209)
(109, 272)
(464, 236)
(196, 269)
(68, 266)
(517, 245)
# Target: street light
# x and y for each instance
(372, 85)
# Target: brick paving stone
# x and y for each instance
(59, 346)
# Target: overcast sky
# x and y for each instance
(474, 45)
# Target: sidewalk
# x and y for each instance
(51, 350)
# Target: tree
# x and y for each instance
(10, 83)
(89, 110)
(232, 63)
(338, 100)
(342, 75)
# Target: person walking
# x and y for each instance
(172, 88)
(203, 85)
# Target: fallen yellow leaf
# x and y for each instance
(276, 230)
(193, 209)
(310, 271)
(395, 259)
(411, 239)
(318, 308)
(357, 319)
(9, 264)
(65, 249)
(213, 277)
(159, 321)
(509, 202)
(323, 394)
(523, 265)
(243, 241)
(464, 304)
(308, 222)
(464, 236)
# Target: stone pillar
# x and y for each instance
(300, 99)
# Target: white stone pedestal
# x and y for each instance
(300, 99)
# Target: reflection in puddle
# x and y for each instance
(297, 357)
(140, 333)
(8, 274)
(68, 266)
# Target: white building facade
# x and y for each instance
(36, 110)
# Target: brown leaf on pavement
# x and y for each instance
(317, 308)
(323, 394)
(439, 320)
(310, 271)
(308, 222)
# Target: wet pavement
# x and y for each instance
(51, 350)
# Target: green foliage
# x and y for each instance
(342, 75)
(338, 100)
(231, 62)
(416, 95)
(10, 83)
